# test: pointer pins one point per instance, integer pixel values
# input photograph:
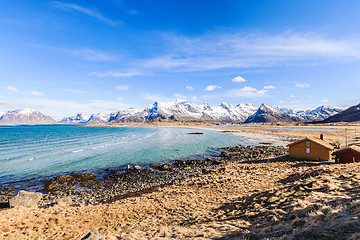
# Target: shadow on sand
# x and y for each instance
(289, 211)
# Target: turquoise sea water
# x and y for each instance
(291, 128)
(42, 151)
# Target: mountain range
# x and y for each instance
(352, 114)
(26, 116)
(185, 111)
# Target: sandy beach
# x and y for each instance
(242, 198)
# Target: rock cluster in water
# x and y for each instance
(5, 194)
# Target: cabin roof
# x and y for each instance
(315, 140)
(351, 148)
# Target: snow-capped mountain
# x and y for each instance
(187, 111)
(183, 110)
(317, 114)
(26, 116)
(351, 114)
(128, 115)
(179, 110)
(229, 113)
(266, 114)
(98, 118)
(78, 119)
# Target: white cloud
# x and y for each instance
(324, 101)
(238, 79)
(248, 89)
(220, 51)
(190, 88)
(246, 92)
(270, 87)
(34, 93)
(92, 12)
(302, 85)
(212, 87)
(120, 99)
(11, 88)
(292, 96)
(122, 87)
(116, 74)
(262, 91)
(76, 91)
(92, 55)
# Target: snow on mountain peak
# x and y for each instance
(267, 108)
(26, 116)
(184, 110)
(79, 118)
(24, 111)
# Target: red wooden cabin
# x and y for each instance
(347, 155)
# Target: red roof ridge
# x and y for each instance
(355, 148)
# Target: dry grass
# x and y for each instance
(276, 199)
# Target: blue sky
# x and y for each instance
(64, 57)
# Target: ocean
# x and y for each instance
(40, 152)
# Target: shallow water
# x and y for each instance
(291, 128)
(43, 151)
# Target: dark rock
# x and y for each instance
(224, 154)
(206, 171)
(163, 167)
(93, 236)
(217, 162)
(6, 194)
(84, 177)
(67, 183)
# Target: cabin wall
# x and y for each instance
(347, 157)
(316, 151)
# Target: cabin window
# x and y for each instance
(307, 150)
(307, 144)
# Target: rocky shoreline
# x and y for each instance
(80, 189)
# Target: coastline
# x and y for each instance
(239, 194)
(272, 137)
(7, 188)
(252, 199)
